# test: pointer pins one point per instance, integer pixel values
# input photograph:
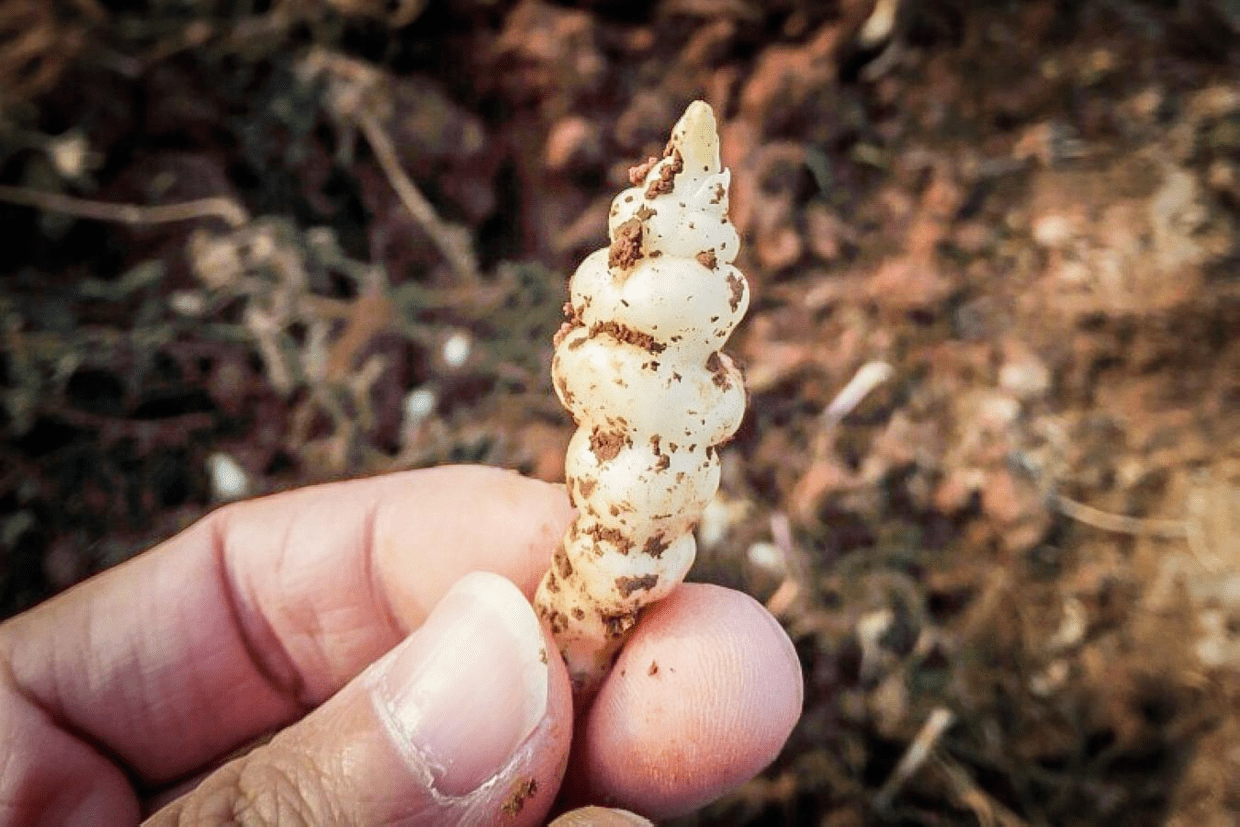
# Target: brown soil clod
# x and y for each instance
(655, 546)
(614, 536)
(718, 371)
(618, 623)
(737, 290)
(606, 444)
(667, 174)
(638, 173)
(629, 336)
(627, 585)
(626, 250)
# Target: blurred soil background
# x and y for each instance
(989, 478)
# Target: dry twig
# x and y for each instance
(452, 241)
(357, 97)
(989, 813)
(217, 207)
(915, 756)
(1119, 523)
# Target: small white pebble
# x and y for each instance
(1045, 683)
(879, 25)
(713, 526)
(873, 625)
(71, 154)
(188, 302)
(995, 411)
(1026, 378)
(228, 479)
(870, 629)
(768, 557)
(419, 406)
(718, 517)
(1052, 231)
(456, 349)
(1216, 647)
(1072, 627)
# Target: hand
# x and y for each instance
(400, 687)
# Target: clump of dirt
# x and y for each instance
(253, 249)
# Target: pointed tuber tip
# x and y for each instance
(697, 137)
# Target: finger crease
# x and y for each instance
(272, 663)
(379, 596)
(9, 681)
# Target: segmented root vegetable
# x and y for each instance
(639, 367)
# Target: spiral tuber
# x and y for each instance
(638, 365)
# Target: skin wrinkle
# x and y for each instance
(278, 669)
(277, 664)
(141, 690)
(9, 680)
(20, 694)
(291, 631)
(266, 790)
(304, 781)
(148, 697)
(379, 596)
(317, 634)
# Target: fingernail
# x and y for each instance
(469, 686)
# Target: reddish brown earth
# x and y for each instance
(1028, 211)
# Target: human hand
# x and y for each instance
(400, 688)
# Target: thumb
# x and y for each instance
(467, 720)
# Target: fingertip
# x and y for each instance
(700, 700)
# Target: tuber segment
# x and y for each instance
(639, 367)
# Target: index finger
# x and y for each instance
(263, 609)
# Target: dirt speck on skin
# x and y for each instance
(522, 790)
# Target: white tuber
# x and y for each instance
(639, 368)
